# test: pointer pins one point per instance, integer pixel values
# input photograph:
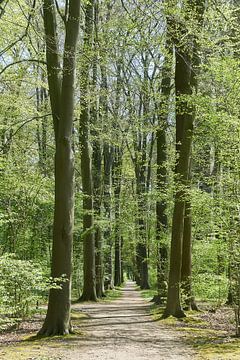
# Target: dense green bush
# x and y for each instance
(22, 284)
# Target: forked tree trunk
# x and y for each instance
(57, 321)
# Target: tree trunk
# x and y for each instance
(108, 155)
(57, 321)
(122, 262)
(183, 147)
(141, 248)
(161, 205)
(141, 179)
(97, 167)
(89, 274)
(184, 82)
(117, 172)
(186, 271)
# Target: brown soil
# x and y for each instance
(120, 330)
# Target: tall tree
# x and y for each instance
(162, 108)
(61, 91)
(89, 280)
(141, 156)
(97, 164)
(117, 172)
(198, 7)
(184, 52)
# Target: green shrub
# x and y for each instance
(210, 287)
(22, 284)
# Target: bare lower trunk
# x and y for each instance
(58, 314)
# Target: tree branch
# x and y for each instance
(21, 61)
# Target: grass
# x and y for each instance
(148, 294)
(113, 294)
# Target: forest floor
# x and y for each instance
(124, 329)
(120, 330)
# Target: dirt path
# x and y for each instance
(121, 330)
(124, 330)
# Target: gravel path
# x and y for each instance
(120, 330)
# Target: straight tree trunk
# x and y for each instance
(108, 159)
(89, 273)
(184, 123)
(117, 171)
(122, 262)
(107, 164)
(97, 168)
(161, 205)
(186, 271)
(141, 249)
(57, 321)
(107, 181)
(141, 182)
(184, 128)
(116, 184)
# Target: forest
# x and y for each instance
(119, 179)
